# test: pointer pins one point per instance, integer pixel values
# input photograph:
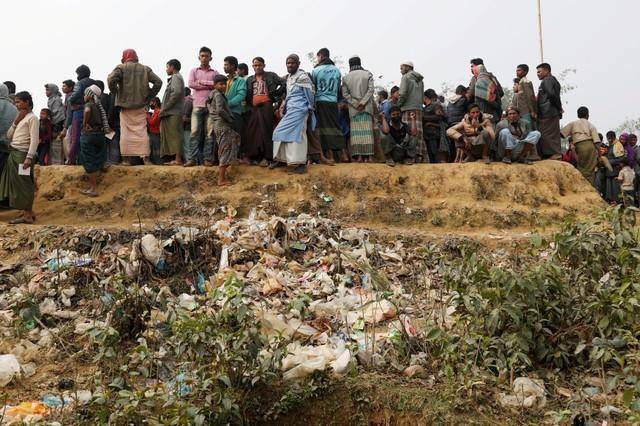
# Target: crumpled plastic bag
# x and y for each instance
(9, 368)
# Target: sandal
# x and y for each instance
(22, 219)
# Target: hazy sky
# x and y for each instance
(44, 41)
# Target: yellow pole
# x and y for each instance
(540, 32)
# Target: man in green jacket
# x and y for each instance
(130, 82)
(410, 101)
(236, 93)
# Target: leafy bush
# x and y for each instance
(198, 370)
(575, 304)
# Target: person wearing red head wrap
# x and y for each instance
(129, 55)
(130, 82)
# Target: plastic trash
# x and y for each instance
(9, 368)
(55, 401)
(341, 365)
(187, 301)
(152, 251)
(63, 259)
(24, 410)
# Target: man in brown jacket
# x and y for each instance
(130, 82)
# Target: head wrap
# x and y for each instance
(293, 56)
(355, 63)
(407, 63)
(129, 55)
(53, 88)
(4, 92)
(624, 137)
(83, 71)
(94, 92)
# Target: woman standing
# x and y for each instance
(17, 184)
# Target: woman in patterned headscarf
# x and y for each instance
(92, 140)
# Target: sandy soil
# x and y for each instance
(466, 199)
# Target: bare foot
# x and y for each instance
(225, 183)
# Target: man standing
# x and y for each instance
(186, 120)
(524, 97)
(290, 136)
(485, 90)
(584, 138)
(171, 125)
(74, 120)
(264, 89)
(130, 81)
(236, 93)
(357, 91)
(56, 106)
(410, 101)
(8, 113)
(549, 113)
(65, 134)
(326, 78)
(201, 81)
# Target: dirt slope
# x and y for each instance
(458, 198)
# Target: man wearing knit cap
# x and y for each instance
(410, 101)
(357, 91)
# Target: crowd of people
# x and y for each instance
(294, 121)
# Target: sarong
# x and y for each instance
(171, 135)
(134, 140)
(74, 137)
(18, 190)
(93, 148)
(362, 134)
(329, 131)
(550, 142)
(228, 145)
(587, 156)
(420, 144)
(259, 142)
(292, 153)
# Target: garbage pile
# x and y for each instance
(334, 294)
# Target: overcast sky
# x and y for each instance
(44, 41)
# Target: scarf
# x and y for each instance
(486, 87)
(129, 55)
(55, 91)
(299, 78)
(355, 68)
(4, 93)
(95, 92)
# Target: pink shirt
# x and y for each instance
(201, 91)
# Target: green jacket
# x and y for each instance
(130, 82)
(411, 91)
(236, 95)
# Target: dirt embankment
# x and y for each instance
(446, 198)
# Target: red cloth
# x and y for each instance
(153, 121)
(46, 131)
(129, 55)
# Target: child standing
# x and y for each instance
(93, 146)
(153, 126)
(46, 136)
(228, 140)
(627, 177)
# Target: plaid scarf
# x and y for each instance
(94, 92)
(486, 87)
